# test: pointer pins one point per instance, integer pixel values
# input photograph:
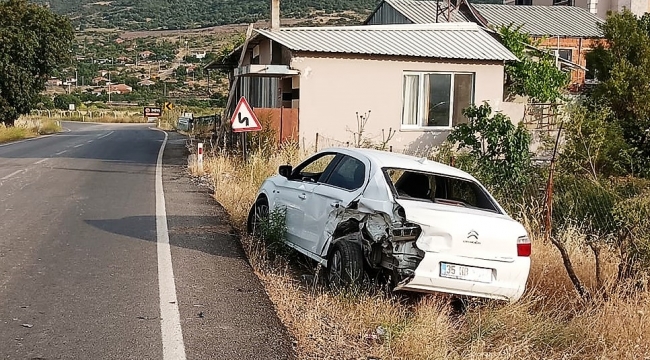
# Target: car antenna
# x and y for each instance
(422, 160)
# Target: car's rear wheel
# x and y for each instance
(345, 265)
(258, 214)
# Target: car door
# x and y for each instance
(343, 185)
(295, 192)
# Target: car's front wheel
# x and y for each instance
(345, 265)
(258, 214)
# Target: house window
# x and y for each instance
(435, 100)
(565, 54)
(523, 2)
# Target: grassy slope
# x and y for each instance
(28, 130)
(549, 322)
(184, 14)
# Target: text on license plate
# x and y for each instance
(462, 272)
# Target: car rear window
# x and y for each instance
(440, 189)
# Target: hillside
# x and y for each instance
(187, 14)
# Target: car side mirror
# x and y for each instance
(285, 170)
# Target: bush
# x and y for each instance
(497, 151)
(63, 101)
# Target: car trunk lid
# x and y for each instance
(463, 231)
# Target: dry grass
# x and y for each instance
(27, 129)
(129, 119)
(549, 322)
(8, 134)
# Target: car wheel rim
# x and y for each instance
(260, 215)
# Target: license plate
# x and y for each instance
(462, 272)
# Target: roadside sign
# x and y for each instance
(244, 119)
(71, 107)
(152, 112)
(169, 106)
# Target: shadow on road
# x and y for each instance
(189, 232)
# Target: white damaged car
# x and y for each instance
(428, 226)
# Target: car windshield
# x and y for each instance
(440, 189)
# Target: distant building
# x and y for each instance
(199, 54)
(146, 54)
(146, 82)
(100, 80)
(119, 40)
(113, 89)
(54, 82)
(121, 89)
(567, 31)
(596, 7)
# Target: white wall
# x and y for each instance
(333, 89)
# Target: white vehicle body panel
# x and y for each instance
(449, 234)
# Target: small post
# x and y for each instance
(199, 157)
(316, 142)
(243, 145)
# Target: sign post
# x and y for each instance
(199, 158)
(152, 112)
(244, 120)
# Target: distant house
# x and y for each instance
(123, 59)
(199, 54)
(119, 40)
(54, 82)
(146, 54)
(120, 89)
(599, 8)
(146, 82)
(100, 80)
(569, 32)
(113, 89)
(414, 79)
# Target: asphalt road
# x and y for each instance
(96, 262)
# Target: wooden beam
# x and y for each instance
(235, 82)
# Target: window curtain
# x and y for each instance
(411, 94)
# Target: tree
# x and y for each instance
(535, 76)
(33, 43)
(622, 64)
(499, 150)
(593, 146)
(63, 101)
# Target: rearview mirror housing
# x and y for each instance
(285, 170)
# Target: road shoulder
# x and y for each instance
(225, 311)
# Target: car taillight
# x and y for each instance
(523, 246)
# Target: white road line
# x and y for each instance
(61, 152)
(89, 141)
(170, 323)
(80, 145)
(12, 174)
(103, 136)
(41, 161)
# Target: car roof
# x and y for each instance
(385, 159)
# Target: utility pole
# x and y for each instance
(109, 87)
